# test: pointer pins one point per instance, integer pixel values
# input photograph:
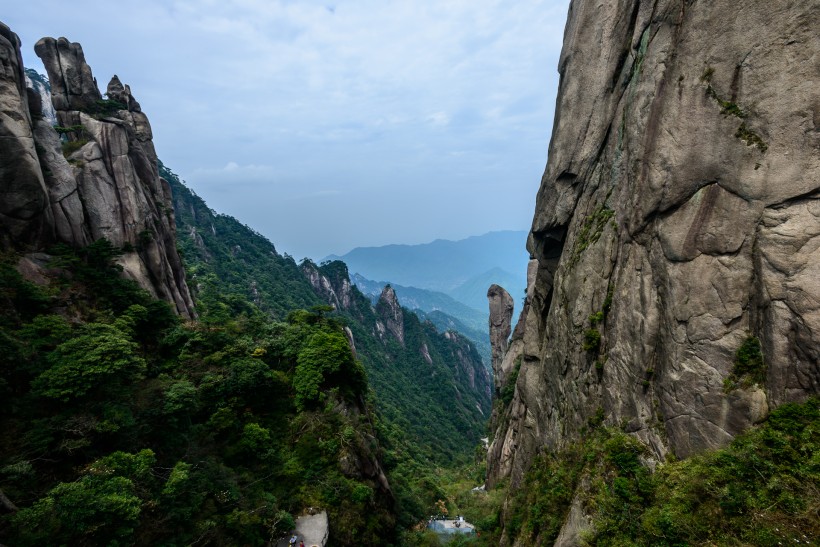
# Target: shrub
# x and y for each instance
(592, 340)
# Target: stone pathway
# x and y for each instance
(312, 529)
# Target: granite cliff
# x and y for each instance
(676, 238)
(93, 176)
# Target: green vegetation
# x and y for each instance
(226, 257)
(78, 129)
(608, 300)
(590, 232)
(123, 426)
(424, 418)
(592, 340)
(104, 108)
(763, 489)
(508, 390)
(730, 108)
(751, 138)
(69, 147)
(749, 368)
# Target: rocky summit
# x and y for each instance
(676, 230)
(92, 176)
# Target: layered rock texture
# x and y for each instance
(95, 178)
(501, 313)
(678, 222)
(391, 317)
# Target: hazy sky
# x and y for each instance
(331, 125)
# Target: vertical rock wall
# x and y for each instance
(678, 218)
(25, 216)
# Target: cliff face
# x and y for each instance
(99, 180)
(678, 222)
(391, 317)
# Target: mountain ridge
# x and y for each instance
(440, 265)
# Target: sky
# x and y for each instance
(332, 125)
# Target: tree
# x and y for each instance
(324, 354)
(102, 508)
(101, 360)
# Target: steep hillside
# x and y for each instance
(445, 312)
(430, 386)
(124, 426)
(223, 254)
(675, 239)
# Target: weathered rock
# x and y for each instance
(70, 222)
(336, 290)
(108, 188)
(391, 314)
(678, 215)
(72, 85)
(113, 189)
(25, 215)
(501, 312)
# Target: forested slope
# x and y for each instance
(123, 425)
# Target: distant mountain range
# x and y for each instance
(448, 277)
(447, 266)
(473, 292)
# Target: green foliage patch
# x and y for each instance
(590, 232)
(731, 108)
(748, 368)
(762, 489)
(508, 390)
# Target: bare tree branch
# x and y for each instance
(5, 502)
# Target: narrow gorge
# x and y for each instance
(170, 376)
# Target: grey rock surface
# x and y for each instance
(336, 292)
(389, 311)
(25, 216)
(501, 312)
(678, 215)
(313, 529)
(73, 87)
(104, 184)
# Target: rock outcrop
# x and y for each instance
(335, 287)
(501, 313)
(25, 215)
(678, 220)
(390, 314)
(95, 179)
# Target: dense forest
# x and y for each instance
(124, 426)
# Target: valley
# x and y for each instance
(641, 367)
